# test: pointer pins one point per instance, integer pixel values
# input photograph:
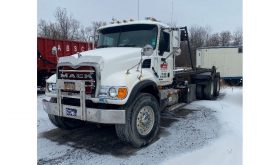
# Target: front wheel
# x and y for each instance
(142, 121)
(66, 123)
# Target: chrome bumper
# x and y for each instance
(106, 116)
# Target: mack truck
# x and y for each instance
(127, 81)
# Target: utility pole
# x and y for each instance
(171, 12)
(138, 9)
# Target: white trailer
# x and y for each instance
(228, 61)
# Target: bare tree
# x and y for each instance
(198, 36)
(43, 29)
(87, 32)
(65, 27)
(96, 25)
(49, 30)
(237, 37)
(63, 22)
(225, 38)
(54, 31)
(82, 34)
(68, 26)
(74, 30)
(208, 30)
(214, 40)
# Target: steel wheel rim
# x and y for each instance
(145, 120)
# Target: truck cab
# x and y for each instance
(127, 81)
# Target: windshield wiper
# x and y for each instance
(127, 45)
(103, 46)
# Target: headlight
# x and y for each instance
(51, 87)
(113, 92)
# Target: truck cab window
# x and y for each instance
(137, 35)
(164, 43)
(109, 39)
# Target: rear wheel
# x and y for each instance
(217, 86)
(208, 90)
(199, 92)
(142, 121)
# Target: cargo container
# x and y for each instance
(228, 61)
(46, 61)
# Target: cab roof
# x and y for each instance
(149, 22)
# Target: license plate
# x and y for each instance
(71, 111)
(69, 86)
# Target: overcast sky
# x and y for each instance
(218, 14)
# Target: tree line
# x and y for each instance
(66, 27)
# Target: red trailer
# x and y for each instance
(46, 61)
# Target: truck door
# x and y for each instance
(164, 68)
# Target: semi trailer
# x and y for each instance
(226, 59)
(127, 81)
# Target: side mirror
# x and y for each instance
(147, 50)
(177, 51)
(54, 50)
(176, 39)
(183, 35)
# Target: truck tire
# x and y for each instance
(142, 121)
(65, 123)
(199, 92)
(208, 90)
(217, 87)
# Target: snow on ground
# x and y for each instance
(202, 133)
(227, 149)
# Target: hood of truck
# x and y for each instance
(115, 53)
(104, 55)
(110, 60)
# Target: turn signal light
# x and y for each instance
(122, 92)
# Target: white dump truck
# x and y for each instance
(127, 81)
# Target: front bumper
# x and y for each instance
(106, 116)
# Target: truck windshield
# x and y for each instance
(137, 35)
